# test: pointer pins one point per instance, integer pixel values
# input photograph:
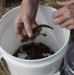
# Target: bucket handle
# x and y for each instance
(1, 62)
(59, 72)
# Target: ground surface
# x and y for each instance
(6, 7)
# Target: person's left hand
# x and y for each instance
(65, 15)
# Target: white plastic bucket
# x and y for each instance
(57, 39)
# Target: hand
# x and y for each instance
(25, 20)
(65, 15)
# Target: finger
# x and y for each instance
(67, 23)
(59, 20)
(70, 27)
(34, 24)
(59, 12)
(18, 31)
(64, 2)
(28, 28)
(63, 18)
(24, 32)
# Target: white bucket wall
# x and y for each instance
(57, 39)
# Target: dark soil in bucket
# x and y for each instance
(33, 51)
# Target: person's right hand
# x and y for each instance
(25, 20)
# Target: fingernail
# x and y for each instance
(20, 37)
(30, 34)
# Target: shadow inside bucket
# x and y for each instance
(33, 51)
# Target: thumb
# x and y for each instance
(28, 28)
(64, 3)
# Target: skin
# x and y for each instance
(25, 20)
(65, 15)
